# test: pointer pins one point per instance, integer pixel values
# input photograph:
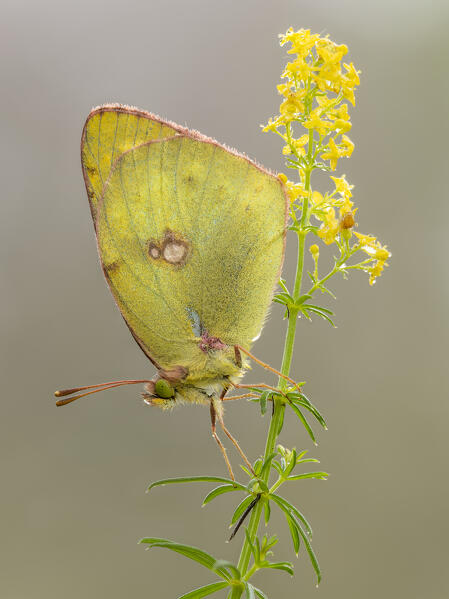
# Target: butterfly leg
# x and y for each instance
(239, 396)
(213, 417)
(232, 439)
(261, 385)
(267, 366)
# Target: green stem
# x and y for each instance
(278, 405)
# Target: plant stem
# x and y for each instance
(278, 405)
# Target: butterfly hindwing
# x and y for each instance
(191, 238)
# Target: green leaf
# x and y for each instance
(279, 300)
(319, 311)
(315, 413)
(263, 401)
(219, 491)
(303, 400)
(312, 277)
(303, 420)
(245, 469)
(239, 510)
(324, 289)
(194, 479)
(304, 311)
(283, 285)
(250, 592)
(224, 564)
(302, 298)
(254, 549)
(292, 515)
(278, 467)
(205, 591)
(260, 594)
(285, 566)
(312, 556)
(257, 466)
(287, 506)
(193, 553)
(319, 475)
(293, 531)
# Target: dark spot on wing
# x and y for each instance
(172, 249)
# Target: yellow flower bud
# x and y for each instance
(314, 250)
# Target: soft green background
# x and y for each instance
(72, 498)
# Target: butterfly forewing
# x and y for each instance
(191, 235)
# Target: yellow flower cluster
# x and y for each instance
(313, 95)
(325, 210)
(377, 252)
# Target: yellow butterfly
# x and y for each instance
(191, 238)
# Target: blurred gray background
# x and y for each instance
(72, 498)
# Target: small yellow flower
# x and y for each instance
(330, 227)
(286, 150)
(332, 154)
(342, 186)
(348, 146)
(352, 75)
(348, 92)
(294, 190)
(376, 270)
(302, 41)
(366, 240)
(291, 105)
(284, 88)
(342, 112)
(279, 121)
(270, 126)
(382, 253)
(314, 122)
(342, 125)
(298, 69)
(316, 198)
(314, 250)
(301, 141)
(346, 206)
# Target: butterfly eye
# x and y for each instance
(162, 388)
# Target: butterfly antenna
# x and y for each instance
(268, 367)
(95, 389)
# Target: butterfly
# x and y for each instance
(191, 239)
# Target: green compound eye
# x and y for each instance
(163, 389)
